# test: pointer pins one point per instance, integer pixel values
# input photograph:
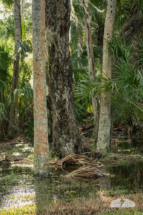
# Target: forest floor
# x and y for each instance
(21, 148)
(21, 193)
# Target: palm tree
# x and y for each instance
(18, 36)
(105, 124)
(95, 102)
(66, 139)
(22, 8)
(41, 150)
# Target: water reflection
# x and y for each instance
(19, 187)
(129, 177)
(132, 146)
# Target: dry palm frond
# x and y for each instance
(84, 172)
(76, 159)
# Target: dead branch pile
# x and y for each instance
(90, 171)
(76, 159)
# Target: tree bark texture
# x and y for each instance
(18, 36)
(95, 101)
(66, 139)
(131, 28)
(105, 122)
(80, 51)
(22, 8)
(41, 149)
(79, 65)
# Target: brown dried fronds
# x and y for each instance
(85, 172)
(76, 159)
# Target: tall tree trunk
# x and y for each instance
(95, 102)
(80, 35)
(41, 147)
(22, 8)
(49, 103)
(79, 65)
(66, 138)
(18, 36)
(105, 122)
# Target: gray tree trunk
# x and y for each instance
(79, 54)
(41, 147)
(22, 8)
(105, 122)
(80, 42)
(95, 101)
(66, 138)
(12, 132)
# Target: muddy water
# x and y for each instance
(19, 187)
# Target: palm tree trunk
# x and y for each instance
(22, 8)
(66, 138)
(95, 102)
(80, 35)
(79, 65)
(18, 36)
(105, 122)
(41, 149)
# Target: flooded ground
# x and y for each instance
(129, 146)
(128, 178)
(19, 187)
